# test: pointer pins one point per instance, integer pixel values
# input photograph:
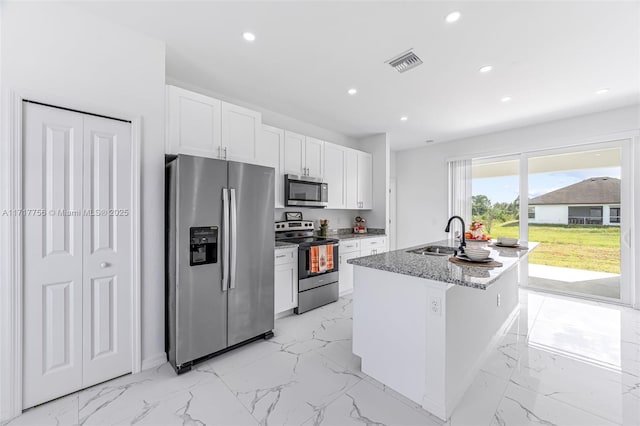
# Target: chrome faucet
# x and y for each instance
(463, 243)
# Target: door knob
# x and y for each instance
(104, 265)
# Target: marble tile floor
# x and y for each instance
(562, 362)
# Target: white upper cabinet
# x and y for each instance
(313, 155)
(204, 126)
(303, 155)
(334, 174)
(365, 180)
(271, 153)
(241, 131)
(207, 127)
(351, 179)
(193, 123)
(294, 153)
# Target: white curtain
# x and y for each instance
(460, 191)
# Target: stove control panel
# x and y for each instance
(298, 225)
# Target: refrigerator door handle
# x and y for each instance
(225, 239)
(234, 239)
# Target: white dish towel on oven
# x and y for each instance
(322, 257)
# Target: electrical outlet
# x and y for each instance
(436, 306)
(498, 300)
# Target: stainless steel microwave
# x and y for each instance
(305, 191)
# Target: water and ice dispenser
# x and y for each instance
(204, 245)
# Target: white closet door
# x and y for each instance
(107, 250)
(52, 348)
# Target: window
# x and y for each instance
(614, 215)
(532, 212)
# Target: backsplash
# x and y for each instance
(338, 219)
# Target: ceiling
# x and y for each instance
(549, 57)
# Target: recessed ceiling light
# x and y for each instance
(249, 36)
(486, 68)
(602, 91)
(505, 99)
(404, 118)
(453, 17)
(352, 91)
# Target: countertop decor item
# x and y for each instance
(324, 225)
(359, 227)
(476, 232)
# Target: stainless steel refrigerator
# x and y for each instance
(219, 257)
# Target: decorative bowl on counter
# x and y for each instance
(476, 253)
(506, 241)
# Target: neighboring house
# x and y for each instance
(594, 201)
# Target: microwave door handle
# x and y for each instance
(234, 239)
(225, 239)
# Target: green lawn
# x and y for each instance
(594, 248)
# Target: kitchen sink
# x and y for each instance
(434, 250)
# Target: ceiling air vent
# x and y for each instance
(405, 61)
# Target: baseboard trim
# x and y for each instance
(154, 361)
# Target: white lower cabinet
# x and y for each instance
(371, 246)
(351, 249)
(286, 279)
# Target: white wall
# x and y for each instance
(53, 52)
(378, 146)
(551, 214)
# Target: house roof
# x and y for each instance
(597, 190)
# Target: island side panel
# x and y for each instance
(475, 324)
(390, 331)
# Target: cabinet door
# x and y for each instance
(193, 123)
(351, 179)
(365, 178)
(334, 174)
(241, 131)
(271, 154)
(293, 153)
(346, 272)
(314, 157)
(286, 287)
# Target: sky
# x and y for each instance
(505, 189)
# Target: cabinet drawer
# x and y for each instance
(374, 242)
(349, 246)
(287, 255)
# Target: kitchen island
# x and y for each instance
(424, 326)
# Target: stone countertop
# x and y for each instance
(438, 268)
(284, 245)
(343, 237)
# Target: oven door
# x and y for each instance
(305, 191)
(304, 261)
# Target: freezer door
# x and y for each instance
(201, 325)
(251, 304)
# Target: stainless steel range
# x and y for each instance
(317, 264)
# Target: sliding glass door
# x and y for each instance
(575, 211)
(573, 203)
